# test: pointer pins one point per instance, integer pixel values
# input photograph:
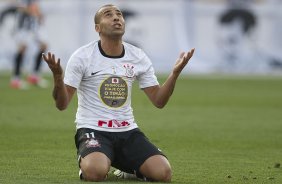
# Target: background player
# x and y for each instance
(29, 18)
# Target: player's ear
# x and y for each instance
(97, 28)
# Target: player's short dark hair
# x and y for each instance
(97, 16)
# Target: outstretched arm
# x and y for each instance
(159, 95)
(62, 93)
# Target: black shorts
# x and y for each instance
(126, 150)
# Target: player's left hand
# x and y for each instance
(182, 61)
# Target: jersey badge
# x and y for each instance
(129, 72)
(92, 143)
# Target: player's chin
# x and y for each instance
(118, 32)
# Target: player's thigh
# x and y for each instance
(137, 149)
(94, 149)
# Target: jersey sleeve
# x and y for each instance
(147, 78)
(74, 72)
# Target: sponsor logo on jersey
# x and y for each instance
(115, 80)
(93, 73)
(114, 92)
(113, 124)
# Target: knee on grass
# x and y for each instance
(92, 173)
(163, 175)
(160, 174)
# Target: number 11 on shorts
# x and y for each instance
(90, 135)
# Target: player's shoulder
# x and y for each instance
(85, 51)
(82, 55)
(133, 51)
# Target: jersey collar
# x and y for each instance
(108, 56)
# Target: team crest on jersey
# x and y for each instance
(92, 143)
(129, 72)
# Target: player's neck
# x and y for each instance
(112, 47)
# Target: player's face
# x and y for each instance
(111, 22)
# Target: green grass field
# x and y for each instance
(214, 130)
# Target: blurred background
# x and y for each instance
(230, 36)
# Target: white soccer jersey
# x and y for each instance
(104, 85)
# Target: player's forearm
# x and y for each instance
(165, 91)
(60, 94)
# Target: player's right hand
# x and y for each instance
(53, 64)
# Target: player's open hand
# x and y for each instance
(53, 64)
(182, 61)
